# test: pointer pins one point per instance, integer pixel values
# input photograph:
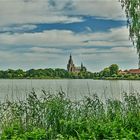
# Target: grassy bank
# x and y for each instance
(54, 117)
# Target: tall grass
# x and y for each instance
(55, 117)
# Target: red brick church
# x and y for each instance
(72, 68)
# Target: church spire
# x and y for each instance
(81, 65)
(70, 65)
(70, 55)
(70, 60)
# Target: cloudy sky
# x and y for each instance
(42, 34)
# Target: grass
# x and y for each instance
(54, 117)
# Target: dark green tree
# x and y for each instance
(106, 72)
(114, 68)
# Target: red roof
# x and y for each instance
(123, 72)
(134, 71)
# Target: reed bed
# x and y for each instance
(55, 117)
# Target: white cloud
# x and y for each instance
(88, 53)
(40, 11)
(53, 46)
(89, 29)
(28, 60)
(109, 9)
(18, 28)
(46, 50)
(65, 38)
(31, 12)
(97, 60)
(79, 51)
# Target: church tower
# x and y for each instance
(83, 69)
(70, 65)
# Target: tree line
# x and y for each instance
(47, 73)
(111, 72)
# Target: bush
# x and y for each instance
(15, 132)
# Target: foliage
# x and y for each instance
(43, 74)
(15, 132)
(112, 73)
(114, 68)
(109, 73)
(55, 117)
(106, 72)
(132, 10)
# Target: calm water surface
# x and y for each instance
(75, 89)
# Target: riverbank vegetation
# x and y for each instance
(112, 73)
(109, 73)
(55, 117)
(47, 73)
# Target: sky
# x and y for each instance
(43, 33)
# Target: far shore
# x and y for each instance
(69, 79)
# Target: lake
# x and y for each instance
(75, 89)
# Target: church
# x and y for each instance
(72, 68)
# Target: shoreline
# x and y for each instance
(69, 79)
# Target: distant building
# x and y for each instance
(134, 71)
(123, 72)
(72, 68)
(131, 71)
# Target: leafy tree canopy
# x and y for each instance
(114, 69)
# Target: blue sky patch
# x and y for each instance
(90, 24)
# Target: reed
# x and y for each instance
(55, 117)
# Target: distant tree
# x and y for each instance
(132, 10)
(114, 68)
(19, 73)
(61, 73)
(9, 73)
(30, 73)
(96, 74)
(50, 72)
(106, 72)
(44, 74)
(1, 74)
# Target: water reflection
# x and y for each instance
(75, 89)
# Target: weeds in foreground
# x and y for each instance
(55, 117)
